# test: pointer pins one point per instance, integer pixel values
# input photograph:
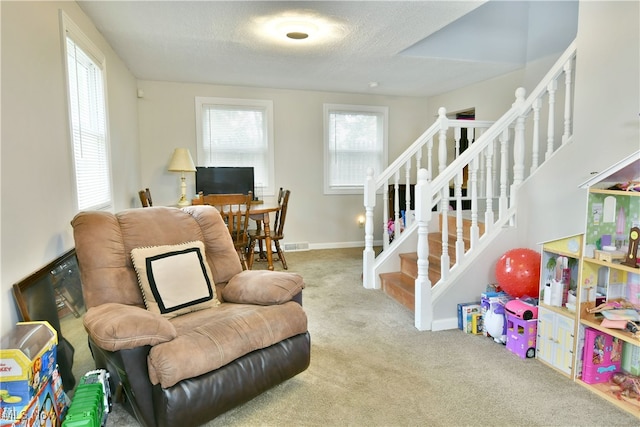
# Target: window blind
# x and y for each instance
(88, 128)
(354, 141)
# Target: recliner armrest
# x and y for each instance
(114, 326)
(263, 287)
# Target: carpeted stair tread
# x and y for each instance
(400, 287)
(409, 264)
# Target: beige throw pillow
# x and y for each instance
(262, 287)
(175, 279)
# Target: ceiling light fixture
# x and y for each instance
(296, 35)
(297, 30)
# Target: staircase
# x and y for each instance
(421, 264)
(400, 285)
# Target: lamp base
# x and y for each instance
(183, 196)
(183, 202)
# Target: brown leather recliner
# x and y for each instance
(182, 357)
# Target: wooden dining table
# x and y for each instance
(259, 212)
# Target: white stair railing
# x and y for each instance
(496, 165)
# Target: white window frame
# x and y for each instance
(70, 29)
(382, 113)
(266, 106)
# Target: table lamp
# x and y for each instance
(182, 162)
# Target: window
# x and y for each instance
(355, 139)
(88, 119)
(237, 132)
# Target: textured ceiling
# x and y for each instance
(410, 48)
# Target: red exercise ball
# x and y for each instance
(518, 272)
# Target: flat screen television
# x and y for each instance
(224, 180)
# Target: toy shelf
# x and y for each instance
(590, 320)
(614, 192)
(569, 246)
(603, 390)
(610, 214)
(614, 265)
(560, 310)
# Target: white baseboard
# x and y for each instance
(336, 245)
(444, 324)
(341, 245)
(306, 246)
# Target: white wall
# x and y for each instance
(490, 98)
(36, 171)
(167, 121)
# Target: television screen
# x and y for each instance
(224, 180)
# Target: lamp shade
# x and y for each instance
(181, 161)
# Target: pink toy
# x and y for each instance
(601, 358)
(521, 309)
(518, 272)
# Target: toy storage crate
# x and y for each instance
(602, 356)
(521, 336)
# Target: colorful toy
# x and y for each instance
(602, 356)
(91, 401)
(626, 385)
(494, 322)
(521, 309)
(518, 272)
(521, 336)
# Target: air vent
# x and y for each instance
(292, 247)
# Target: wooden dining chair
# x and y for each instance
(234, 209)
(261, 254)
(277, 231)
(145, 198)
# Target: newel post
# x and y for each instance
(368, 255)
(423, 299)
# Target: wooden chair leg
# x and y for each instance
(281, 255)
(243, 259)
(250, 254)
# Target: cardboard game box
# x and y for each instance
(461, 309)
(47, 408)
(468, 312)
(476, 325)
(29, 379)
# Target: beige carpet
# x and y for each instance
(371, 367)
